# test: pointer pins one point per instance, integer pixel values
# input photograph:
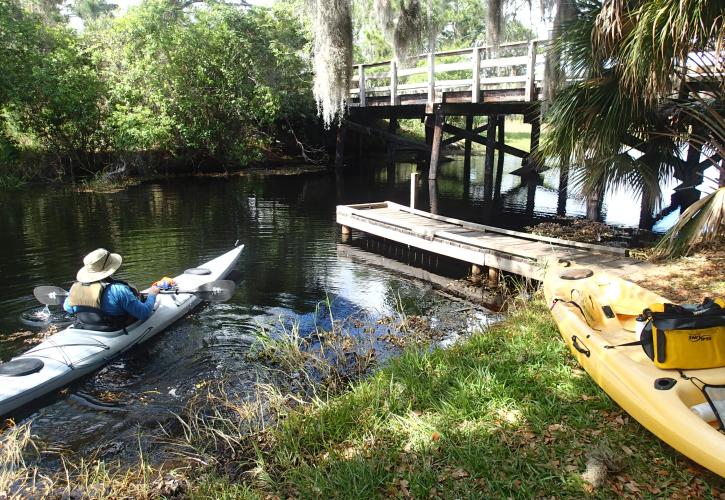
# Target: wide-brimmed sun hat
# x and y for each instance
(98, 264)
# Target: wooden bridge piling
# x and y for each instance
(467, 144)
(340, 145)
(499, 167)
(436, 146)
(490, 150)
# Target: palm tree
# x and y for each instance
(617, 119)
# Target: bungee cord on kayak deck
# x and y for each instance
(68, 362)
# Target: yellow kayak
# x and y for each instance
(596, 311)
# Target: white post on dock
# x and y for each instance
(413, 188)
(431, 78)
(476, 86)
(530, 91)
(361, 84)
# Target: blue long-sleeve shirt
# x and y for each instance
(118, 299)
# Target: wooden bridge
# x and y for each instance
(464, 83)
(482, 246)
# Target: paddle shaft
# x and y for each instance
(213, 291)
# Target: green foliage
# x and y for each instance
(623, 56)
(50, 93)
(90, 10)
(215, 82)
(61, 103)
(212, 82)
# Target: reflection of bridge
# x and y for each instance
(457, 83)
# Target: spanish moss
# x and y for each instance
(494, 15)
(332, 30)
(404, 23)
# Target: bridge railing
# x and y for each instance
(516, 65)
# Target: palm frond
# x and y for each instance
(623, 172)
(663, 33)
(592, 119)
(703, 221)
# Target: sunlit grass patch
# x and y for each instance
(506, 413)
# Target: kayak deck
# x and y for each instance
(626, 373)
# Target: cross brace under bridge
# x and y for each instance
(476, 81)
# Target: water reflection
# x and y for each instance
(503, 197)
(290, 265)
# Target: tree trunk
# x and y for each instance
(593, 206)
(553, 72)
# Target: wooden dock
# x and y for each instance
(497, 249)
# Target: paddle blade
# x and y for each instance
(50, 295)
(216, 291)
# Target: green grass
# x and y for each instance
(518, 134)
(506, 413)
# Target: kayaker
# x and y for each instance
(102, 303)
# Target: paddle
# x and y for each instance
(214, 291)
(50, 295)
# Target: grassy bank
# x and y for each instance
(506, 413)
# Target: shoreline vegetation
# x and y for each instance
(504, 412)
(111, 181)
(294, 166)
(165, 89)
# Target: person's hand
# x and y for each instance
(154, 290)
(164, 283)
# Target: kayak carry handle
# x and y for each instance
(581, 348)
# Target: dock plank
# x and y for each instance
(512, 251)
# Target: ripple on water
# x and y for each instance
(289, 268)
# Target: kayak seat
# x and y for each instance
(20, 367)
(200, 271)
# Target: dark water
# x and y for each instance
(290, 265)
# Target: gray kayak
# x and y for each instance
(73, 353)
